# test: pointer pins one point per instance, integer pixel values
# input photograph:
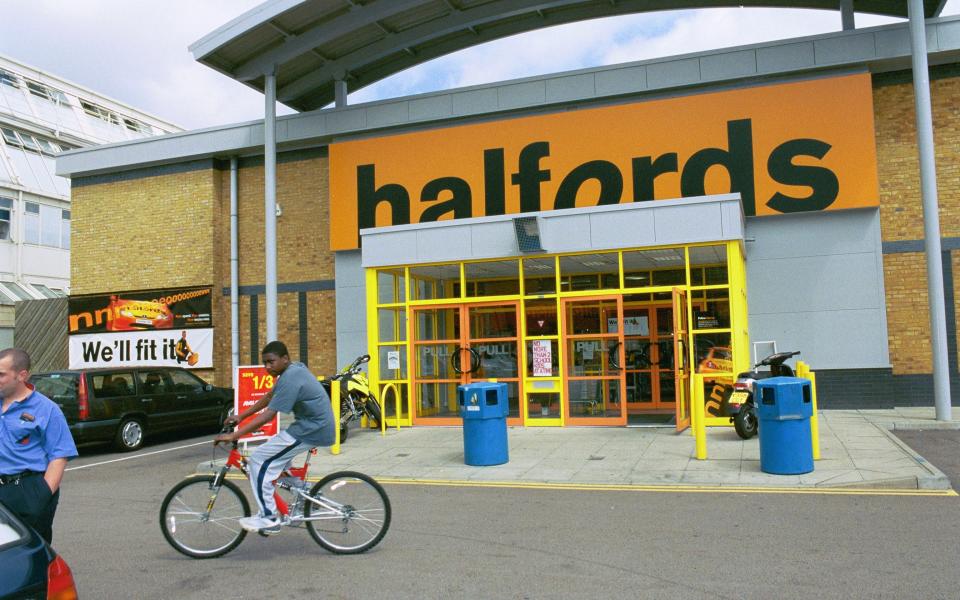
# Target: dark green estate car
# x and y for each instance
(121, 405)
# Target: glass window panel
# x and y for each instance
(714, 313)
(655, 258)
(49, 226)
(435, 281)
(713, 353)
(713, 259)
(543, 406)
(391, 287)
(44, 290)
(392, 324)
(493, 322)
(492, 278)
(435, 361)
(28, 142)
(594, 398)
(389, 400)
(541, 317)
(670, 277)
(10, 137)
(437, 400)
(31, 228)
(539, 276)
(17, 291)
(10, 79)
(585, 271)
(437, 324)
(498, 360)
(393, 356)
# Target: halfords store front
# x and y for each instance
(599, 256)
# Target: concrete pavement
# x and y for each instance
(857, 451)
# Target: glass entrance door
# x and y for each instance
(594, 375)
(459, 344)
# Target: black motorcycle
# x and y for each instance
(741, 405)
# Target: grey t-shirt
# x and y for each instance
(299, 392)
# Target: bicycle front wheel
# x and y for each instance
(200, 520)
(347, 512)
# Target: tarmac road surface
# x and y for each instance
(478, 542)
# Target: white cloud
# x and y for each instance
(136, 52)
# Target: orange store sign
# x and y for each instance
(791, 147)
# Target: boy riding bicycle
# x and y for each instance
(295, 390)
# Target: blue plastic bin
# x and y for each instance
(784, 409)
(484, 409)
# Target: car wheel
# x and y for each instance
(129, 435)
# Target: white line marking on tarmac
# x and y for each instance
(107, 462)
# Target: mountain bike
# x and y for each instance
(345, 512)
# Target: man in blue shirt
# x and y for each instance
(295, 390)
(35, 445)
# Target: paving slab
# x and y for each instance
(857, 450)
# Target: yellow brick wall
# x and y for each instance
(173, 230)
(149, 232)
(302, 256)
(901, 210)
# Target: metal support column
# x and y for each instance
(234, 270)
(270, 202)
(931, 216)
(846, 15)
(339, 93)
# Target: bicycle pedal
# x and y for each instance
(270, 531)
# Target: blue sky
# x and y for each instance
(136, 52)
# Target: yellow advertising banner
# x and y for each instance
(788, 147)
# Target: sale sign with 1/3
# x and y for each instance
(251, 384)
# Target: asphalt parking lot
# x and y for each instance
(468, 542)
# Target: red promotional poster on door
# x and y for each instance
(251, 384)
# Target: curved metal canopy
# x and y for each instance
(311, 44)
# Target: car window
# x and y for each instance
(57, 386)
(111, 385)
(185, 382)
(154, 382)
(10, 532)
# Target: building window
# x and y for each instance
(65, 229)
(8, 78)
(46, 225)
(99, 112)
(6, 210)
(47, 292)
(21, 139)
(47, 93)
(31, 223)
(137, 126)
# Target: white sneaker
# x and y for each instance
(258, 523)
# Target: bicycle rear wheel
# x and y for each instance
(200, 520)
(349, 512)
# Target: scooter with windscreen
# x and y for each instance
(741, 404)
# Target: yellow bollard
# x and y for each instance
(697, 417)
(803, 370)
(335, 405)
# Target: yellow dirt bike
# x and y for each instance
(355, 397)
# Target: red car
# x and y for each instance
(134, 315)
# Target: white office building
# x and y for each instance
(41, 115)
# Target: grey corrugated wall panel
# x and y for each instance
(41, 330)
(832, 265)
(351, 303)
